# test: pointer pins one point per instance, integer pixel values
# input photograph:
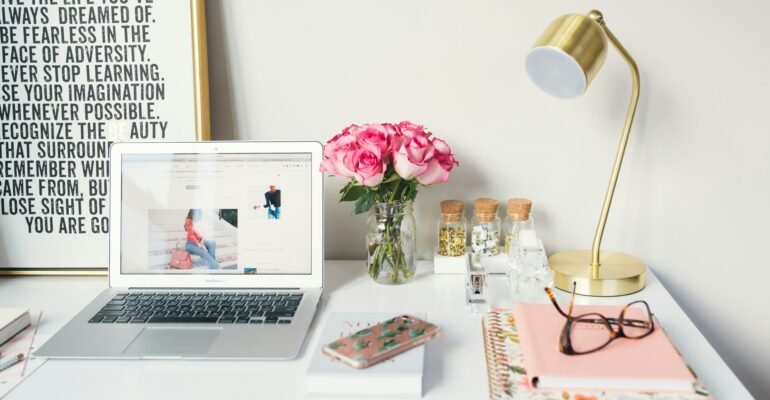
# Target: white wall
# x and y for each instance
(695, 189)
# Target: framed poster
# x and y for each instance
(75, 77)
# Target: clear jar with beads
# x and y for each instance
(485, 230)
(452, 229)
(518, 223)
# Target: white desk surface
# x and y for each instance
(454, 363)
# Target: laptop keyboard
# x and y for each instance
(199, 307)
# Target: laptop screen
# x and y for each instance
(216, 214)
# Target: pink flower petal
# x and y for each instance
(434, 173)
(372, 180)
(405, 168)
(441, 146)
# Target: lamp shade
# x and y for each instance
(567, 56)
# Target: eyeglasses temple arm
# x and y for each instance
(572, 298)
(555, 304)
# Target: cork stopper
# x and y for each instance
(452, 210)
(518, 209)
(485, 209)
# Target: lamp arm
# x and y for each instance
(635, 86)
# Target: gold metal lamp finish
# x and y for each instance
(596, 273)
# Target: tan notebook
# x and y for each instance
(508, 377)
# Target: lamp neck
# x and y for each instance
(635, 88)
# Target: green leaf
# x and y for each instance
(387, 334)
(346, 187)
(411, 192)
(392, 178)
(364, 203)
(352, 192)
(517, 369)
(362, 333)
(405, 325)
(413, 333)
(361, 344)
(389, 344)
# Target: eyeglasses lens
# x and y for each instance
(638, 321)
(589, 332)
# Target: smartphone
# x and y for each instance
(381, 341)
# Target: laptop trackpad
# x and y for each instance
(173, 341)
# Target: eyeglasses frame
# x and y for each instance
(565, 343)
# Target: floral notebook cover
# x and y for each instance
(507, 376)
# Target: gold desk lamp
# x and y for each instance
(563, 62)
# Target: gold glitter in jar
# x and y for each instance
(451, 241)
(508, 239)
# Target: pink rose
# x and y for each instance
(404, 131)
(392, 129)
(336, 150)
(411, 155)
(409, 129)
(441, 147)
(332, 146)
(367, 164)
(345, 132)
(439, 167)
(373, 134)
(364, 153)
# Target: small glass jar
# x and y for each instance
(451, 229)
(530, 275)
(519, 219)
(485, 230)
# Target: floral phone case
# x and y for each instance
(381, 341)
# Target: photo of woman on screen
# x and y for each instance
(272, 203)
(196, 244)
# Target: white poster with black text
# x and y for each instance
(75, 77)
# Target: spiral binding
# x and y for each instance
(494, 349)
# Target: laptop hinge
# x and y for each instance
(209, 288)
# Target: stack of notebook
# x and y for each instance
(524, 362)
(398, 377)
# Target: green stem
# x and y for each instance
(374, 267)
(390, 250)
(395, 191)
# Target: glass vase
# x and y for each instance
(391, 243)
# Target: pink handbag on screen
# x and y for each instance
(180, 259)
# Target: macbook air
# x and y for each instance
(215, 253)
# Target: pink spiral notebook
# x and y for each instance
(648, 364)
(509, 376)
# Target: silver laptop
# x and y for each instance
(215, 253)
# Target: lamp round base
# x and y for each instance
(619, 274)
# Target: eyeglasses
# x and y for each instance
(590, 332)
